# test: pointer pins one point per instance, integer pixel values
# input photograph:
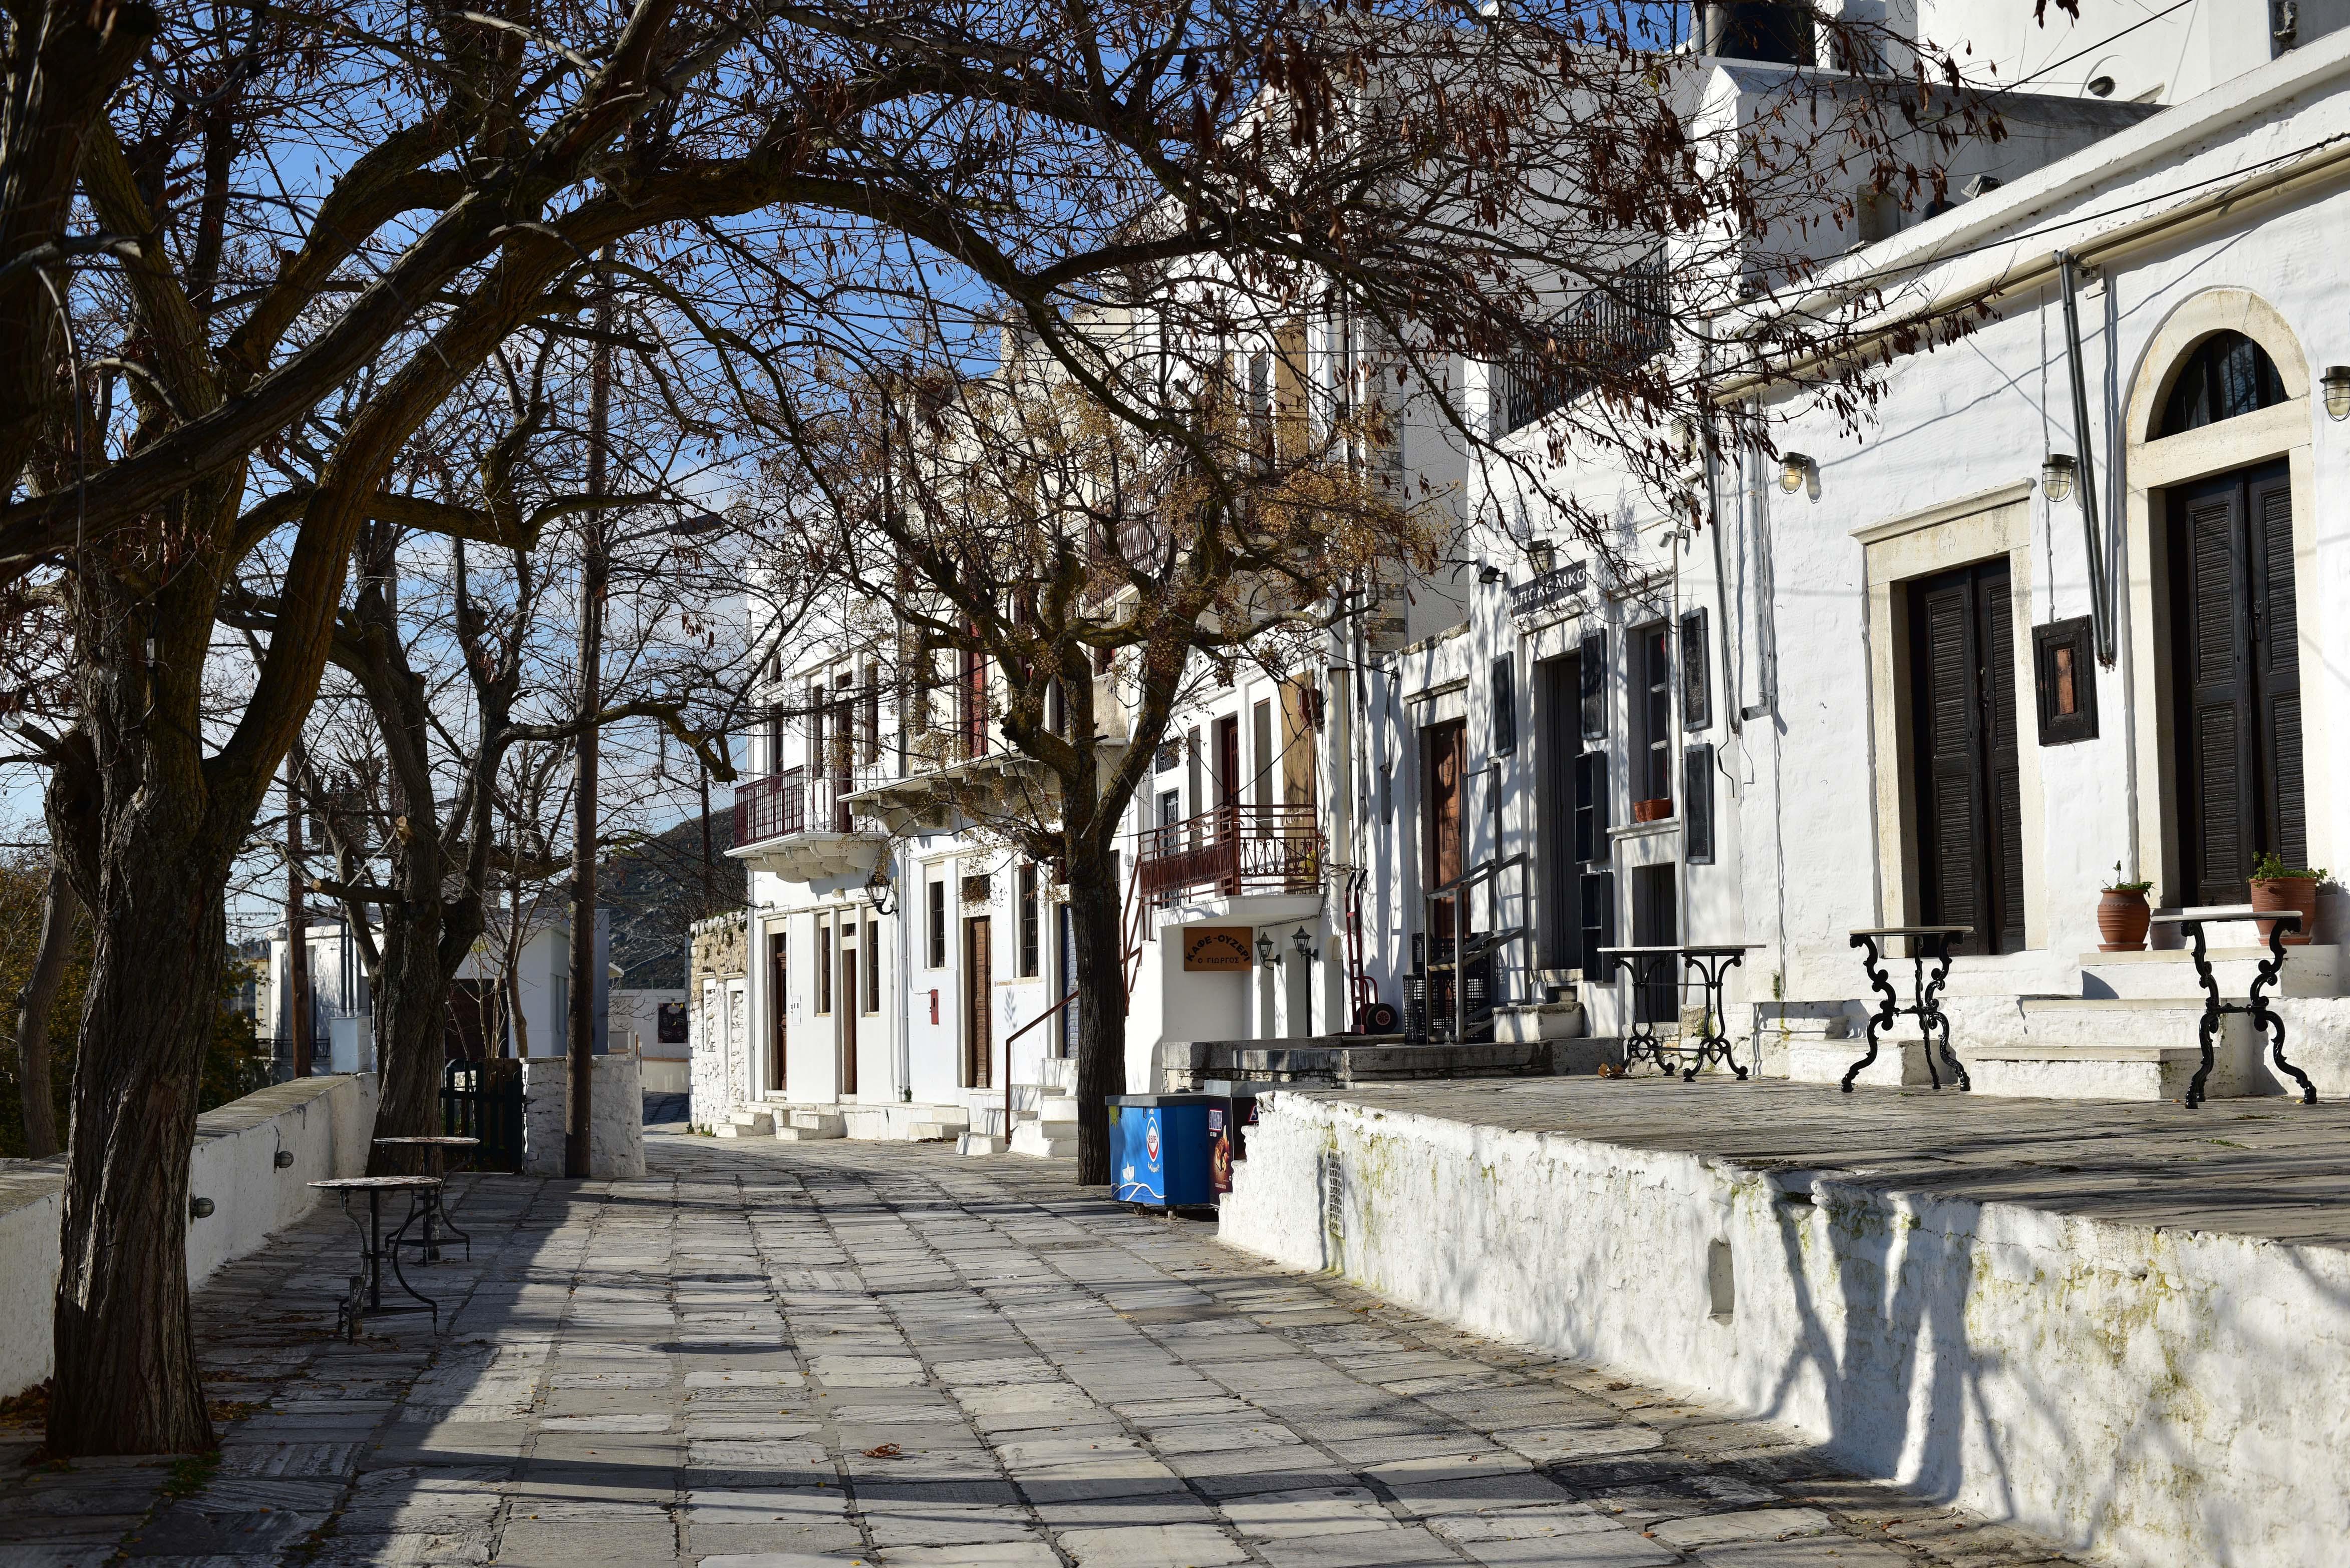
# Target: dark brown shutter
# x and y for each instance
(1697, 673)
(1995, 603)
(1696, 805)
(2276, 641)
(1599, 921)
(1591, 806)
(1593, 664)
(1505, 706)
(2219, 822)
(1949, 846)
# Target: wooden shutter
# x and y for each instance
(1948, 804)
(1594, 667)
(1697, 673)
(1591, 806)
(2218, 819)
(1995, 603)
(1599, 921)
(1505, 706)
(2276, 644)
(1696, 805)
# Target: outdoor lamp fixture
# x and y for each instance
(1489, 575)
(2336, 382)
(1264, 953)
(1304, 944)
(1794, 469)
(282, 1159)
(2058, 474)
(200, 1208)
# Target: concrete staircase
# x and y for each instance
(747, 1123)
(1051, 1133)
(812, 1126)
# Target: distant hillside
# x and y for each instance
(655, 891)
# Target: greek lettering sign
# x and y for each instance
(1215, 948)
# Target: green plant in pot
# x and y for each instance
(2122, 915)
(2277, 886)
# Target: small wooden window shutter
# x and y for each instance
(1593, 669)
(1599, 921)
(1696, 805)
(1591, 806)
(1697, 673)
(1505, 706)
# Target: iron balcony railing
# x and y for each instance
(1233, 850)
(782, 804)
(1613, 329)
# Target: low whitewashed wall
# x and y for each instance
(323, 1122)
(2163, 1398)
(616, 1116)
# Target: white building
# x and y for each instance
(1733, 737)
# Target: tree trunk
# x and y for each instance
(300, 1020)
(411, 995)
(60, 911)
(126, 1379)
(1101, 1004)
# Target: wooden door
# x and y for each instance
(779, 1007)
(1967, 793)
(851, 998)
(1446, 747)
(2236, 664)
(1558, 746)
(978, 972)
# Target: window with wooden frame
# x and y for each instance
(1652, 714)
(823, 964)
(936, 920)
(1592, 667)
(870, 972)
(1031, 944)
(1697, 804)
(2066, 681)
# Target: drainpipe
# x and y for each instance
(2100, 611)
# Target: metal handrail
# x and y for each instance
(784, 805)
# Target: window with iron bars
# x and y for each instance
(1611, 329)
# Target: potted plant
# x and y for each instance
(2122, 915)
(2277, 886)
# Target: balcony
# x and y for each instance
(1235, 851)
(959, 775)
(802, 829)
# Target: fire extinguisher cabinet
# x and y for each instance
(1159, 1147)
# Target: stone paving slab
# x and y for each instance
(817, 1356)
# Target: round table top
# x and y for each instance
(376, 1183)
(434, 1142)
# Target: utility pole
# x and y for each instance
(297, 924)
(595, 573)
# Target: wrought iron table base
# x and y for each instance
(365, 1297)
(2264, 1017)
(1713, 1039)
(1932, 1023)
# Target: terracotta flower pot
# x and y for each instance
(2299, 893)
(2122, 921)
(1654, 810)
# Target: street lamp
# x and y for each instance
(2058, 474)
(2336, 382)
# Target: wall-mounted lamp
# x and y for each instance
(1264, 948)
(1489, 575)
(1304, 944)
(200, 1208)
(1796, 470)
(2336, 382)
(2057, 471)
(282, 1159)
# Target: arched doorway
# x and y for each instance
(2220, 512)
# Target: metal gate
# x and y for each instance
(483, 1100)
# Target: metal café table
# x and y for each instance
(1927, 944)
(434, 1153)
(1707, 961)
(2190, 923)
(365, 1297)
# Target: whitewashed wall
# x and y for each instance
(324, 1123)
(2170, 1397)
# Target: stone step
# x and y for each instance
(1058, 1108)
(1900, 1063)
(747, 1124)
(811, 1127)
(1035, 1140)
(2169, 972)
(2140, 1073)
(979, 1143)
(934, 1131)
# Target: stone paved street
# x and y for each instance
(780, 1355)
